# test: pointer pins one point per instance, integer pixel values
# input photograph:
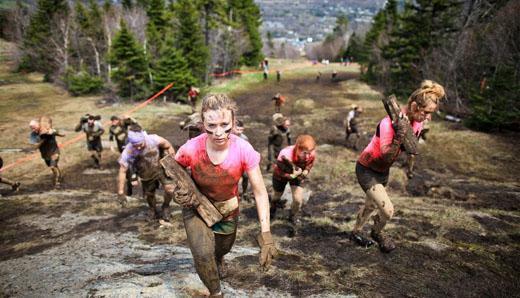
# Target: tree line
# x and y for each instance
(472, 47)
(133, 47)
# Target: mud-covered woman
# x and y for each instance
(217, 159)
(292, 166)
(373, 165)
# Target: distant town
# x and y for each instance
(299, 22)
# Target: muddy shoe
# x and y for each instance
(360, 240)
(386, 244)
(166, 214)
(16, 186)
(151, 215)
(295, 220)
(57, 185)
(218, 295)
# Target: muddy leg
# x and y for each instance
(168, 196)
(378, 195)
(364, 214)
(223, 244)
(149, 188)
(202, 245)
(14, 185)
(56, 176)
(274, 201)
(386, 211)
(296, 206)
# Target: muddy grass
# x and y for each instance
(457, 234)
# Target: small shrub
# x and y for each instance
(82, 83)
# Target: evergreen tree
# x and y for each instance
(190, 40)
(356, 49)
(424, 25)
(130, 67)
(39, 53)
(247, 14)
(172, 67)
(127, 4)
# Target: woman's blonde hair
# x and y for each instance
(429, 92)
(216, 102)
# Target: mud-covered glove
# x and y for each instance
(303, 175)
(267, 249)
(121, 198)
(185, 198)
(296, 173)
(401, 127)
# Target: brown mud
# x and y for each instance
(457, 235)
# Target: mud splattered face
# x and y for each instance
(139, 146)
(115, 122)
(420, 114)
(90, 122)
(305, 154)
(218, 124)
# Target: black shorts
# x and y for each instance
(368, 177)
(279, 185)
(95, 145)
(150, 186)
(52, 162)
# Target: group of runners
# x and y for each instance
(218, 156)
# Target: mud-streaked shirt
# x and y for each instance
(289, 153)
(146, 161)
(372, 155)
(218, 182)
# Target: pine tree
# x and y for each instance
(130, 67)
(424, 24)
(247, 14)
(127, 4)
(172, 67)
(190, 40)
(39, 53)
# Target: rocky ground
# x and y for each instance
(456, 224)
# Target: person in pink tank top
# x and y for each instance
(217, 159)
(373, 165)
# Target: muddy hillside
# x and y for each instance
(456, 226)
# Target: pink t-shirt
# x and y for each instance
(288, 152)
(217, 182)
(371, 157)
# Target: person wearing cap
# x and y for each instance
(279, 137)
(43, 138)
(143, 153)
(301, 157)
(15, 185)
(93, 130)
(352, 123)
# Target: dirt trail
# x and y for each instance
(458, 236)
